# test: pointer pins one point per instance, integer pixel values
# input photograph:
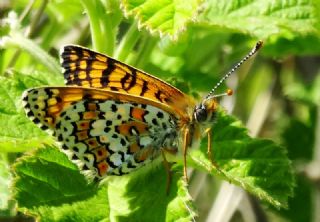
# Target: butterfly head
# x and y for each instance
(205, 112)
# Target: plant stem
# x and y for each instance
(109, 27)
(100, 25)
(26, 10)
(145, 50)
(93, 14)
(33, 25)
(36, 18)
(18, 40)
(127, 43)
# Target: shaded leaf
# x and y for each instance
(95, 208)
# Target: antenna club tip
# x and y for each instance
(229, 92)
(259, 45)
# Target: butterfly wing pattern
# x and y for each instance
(103, 132)
(111, 118)
(86, 68)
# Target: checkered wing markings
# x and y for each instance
(104, 141)
(100, 135)
(83, 67)
(140, 148)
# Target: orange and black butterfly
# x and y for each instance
(112, 118)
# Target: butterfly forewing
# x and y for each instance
(83, 67)
(103, 132)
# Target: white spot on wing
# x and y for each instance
(116, 159)
(145, 140)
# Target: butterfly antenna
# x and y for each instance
(251, 53)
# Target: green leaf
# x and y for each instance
(264, 19)
(143, 196)
(166, 17)
(297, 45)
(47, 177)
(49, 185)
(22, 134)
(4, 184)
(95, 208)
(257, 165)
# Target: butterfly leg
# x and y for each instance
(209, 148)
(185, 147)
(167, 166)
(208, 132)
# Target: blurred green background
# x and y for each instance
(277, 94)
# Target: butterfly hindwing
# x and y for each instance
(100, 131)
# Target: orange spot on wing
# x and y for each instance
(92, 106)
(96, 83)
(72, 97)
(73, 57)
(85, 83)
(90, 115)
(82, 135)
(82, 74)
(72, 67)
(124, 68)
(51, 101)
(95, 74)
(137, 113)
(134, 148)
(53, 109)
(85, 53)
(101, 58)
(83, 125)
(126, 128)
(102, 168)
(98, 65)
(144, 154)
(83, 64)
(116, 76)
(92, 143)
(100, 153)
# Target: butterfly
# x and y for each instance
(112, 118)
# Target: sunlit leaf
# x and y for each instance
(166, 17)
(259, 166)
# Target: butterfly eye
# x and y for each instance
(200, 113)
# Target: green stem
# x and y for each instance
(91, 7)
(145, 51)
(18, 40)
(36, 18)
(108, 28)
(100, 25)
(26, 10)
(128, 42)
(32, 28)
